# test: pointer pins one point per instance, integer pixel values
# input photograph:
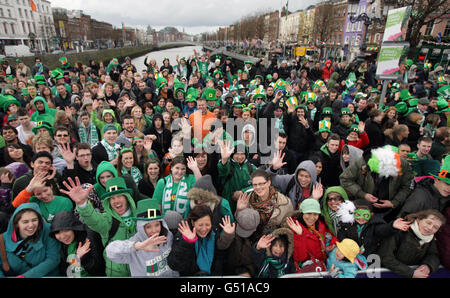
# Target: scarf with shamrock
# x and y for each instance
(88, 135)
(112, 151)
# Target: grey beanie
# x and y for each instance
(205, 183)
(172, 219)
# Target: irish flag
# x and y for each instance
(33, 5)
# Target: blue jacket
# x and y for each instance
(348, 269)
(43, 256)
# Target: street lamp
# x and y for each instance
(368, 20)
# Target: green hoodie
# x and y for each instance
(47, 116)
(326, 211)
(102, 223)
(101, 123)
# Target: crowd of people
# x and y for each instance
(165, 172)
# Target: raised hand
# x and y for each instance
(317, 192)
(149, 244)
(192, 163)
(227, 226)
(361, 126)
(75, 192)
(277, 161)
(401, 224)
(4, 178)
(185, 230)
(148, 142)
(295, 226)
(226, 150)
(83, 249)
(37, 181)
(67, 154)
(264, 242)
(242, 202)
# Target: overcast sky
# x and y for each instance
(195, 16)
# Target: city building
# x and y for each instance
(22, 25)
(354, 31)
(289, 28)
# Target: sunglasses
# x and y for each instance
(61, 136)
(335, 199)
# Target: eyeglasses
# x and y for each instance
(259, 184)
(336, 199)
(65, 136)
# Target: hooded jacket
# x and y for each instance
(101, 123)
(143, 263)
(259, 256)
(354, 153)
(283, 182)
(47, 116)
(92, 262)
(327, 71)
(102, 223)
(331, 166)
(41, 258)
(326, 211)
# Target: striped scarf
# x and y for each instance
(135, 173)
(112, 151)
(177, 201)
(276, 263)
(88, 135)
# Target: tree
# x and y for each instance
(423, 12)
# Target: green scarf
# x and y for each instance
(175, 199)
(276, 263)
(135, 173)
(88, 136)
(112, 151)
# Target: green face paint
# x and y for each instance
(362, 214)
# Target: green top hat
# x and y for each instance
(360, 95)
(413, 102)
(327, 111)
(345, 111)
(218, 71)
(405, 95)
(57, 74)
(9, 99)
(116, 186)
(160, 82)
(148, 210)
(353, 128)
(40, 80)
(442, 105)
(191, 95)
(324, 125)
(209, 94)
(409, 62)
(444, 173)
(442, 80)
(42, 124)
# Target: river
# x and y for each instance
(170, 53)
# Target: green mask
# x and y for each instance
(362, 214)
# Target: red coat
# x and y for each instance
(308, 242)
(362, 142)
(326, 72)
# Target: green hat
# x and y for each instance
(191, 95)
(261, 77)
(409, 62)
(148, 210)
(237, 103)
(43, 124)
(57, 74)
(10, 100)
(374, 90)
(40, 80)
(402, 108)
(218, 71)
(442, 80)
(116, 186)
(413, 102)
(268, 77)
(360, 95)
(353, 128)
(109, 126)
(324, 125)
(310, 206)
(161, 81)
(209, 94)
(25, 91)
(345, 111)
(248, 62)
(349, 83)
(327, 111)
(444, 174)
(442, 105)
(301, 107)
(12, 117)
(405, 95)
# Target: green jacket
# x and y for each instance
(239, 181)
(47, 116)
(357, 181)
(326, 211)
(102, 223)
(101, 123)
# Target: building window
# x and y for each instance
(26, 13)
(5, 28)
(20, 13)
(9, 13)
(447, 29)
(12, 29)
(24, 28)
(429, 29)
